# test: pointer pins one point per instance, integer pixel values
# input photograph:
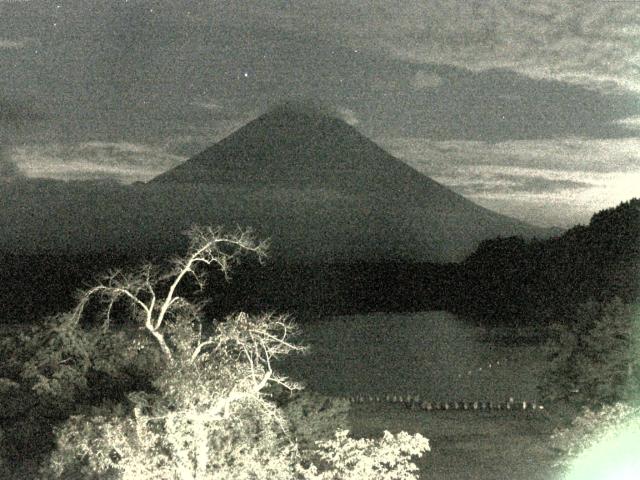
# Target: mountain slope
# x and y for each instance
(315, 186)
(373, 205)
(295, 147)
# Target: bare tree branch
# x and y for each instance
(208, 246)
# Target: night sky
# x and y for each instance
(531, 109)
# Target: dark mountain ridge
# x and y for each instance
(351, 227)
(295, 148)
(538, 282)
(506, 281)
(320, 190)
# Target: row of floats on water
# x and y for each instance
(416, 403)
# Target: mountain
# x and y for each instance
(322, 189)
(352, 228)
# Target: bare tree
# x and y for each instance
(208, 381)
(158, 304)
(208, 415)
(140, 288)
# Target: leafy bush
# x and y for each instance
(591, 428)
(209, 422)
(57, 370)
(69, 363)
(344, 458)
(206, 418)
(207, 413)
(158, 440)
(143, 448)
(593, 359)
(313, 417)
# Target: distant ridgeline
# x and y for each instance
(513, 281)
(37, 285)
(506, 281)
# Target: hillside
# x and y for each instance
(346, 221)
(325, 181)
(537, 282)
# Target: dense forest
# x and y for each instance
(512, 281)
(506, 281)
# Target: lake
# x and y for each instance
(434, 354)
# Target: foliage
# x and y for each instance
(344, 458)
(67, 361)
(214, 417)
(143, 447)
(593, 360)
(208, 413)
(159, 439)
(15, 348)
(591, 428)
(312, 417)
(58, 368)
(209, 418)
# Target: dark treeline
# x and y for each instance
(38, 285)
(538, 282)
(35, 286)
(506, 281)
(341, 288)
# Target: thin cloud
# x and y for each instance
(496, 183)
(123, 162)
(14, 115)
(18, 43)
(491, 179)
(590, 43)
(7, 44)
(348, 115)
(8, 168)
(495, 106)
(632, 123)
(576, 177)
(570, 154)
(564, 207)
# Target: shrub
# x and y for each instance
(593, 359)
(591, 428)
(209, 422)
(157, 440)
(313, 417)
(344, 458)
(208, 419)
(245, 447)
(207, 413)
